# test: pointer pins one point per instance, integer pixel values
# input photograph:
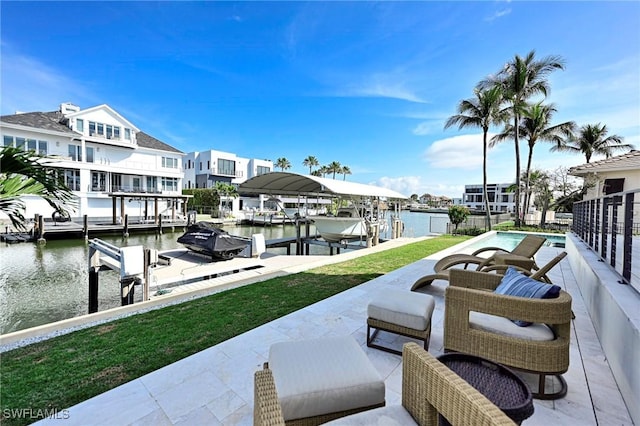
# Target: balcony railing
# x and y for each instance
(607, 225)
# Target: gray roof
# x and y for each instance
(55, 121)
(628, 161)
(146, 141)
(52, 121)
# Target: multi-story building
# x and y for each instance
(204, 169)
(501, 200)
(108, 162)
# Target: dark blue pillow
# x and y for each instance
(516, 284)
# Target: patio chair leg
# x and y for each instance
(548, 396)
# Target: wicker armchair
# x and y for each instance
(428, 388)
(467, 292)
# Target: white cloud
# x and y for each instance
(498, 14)
(457, 152)
(379, 89)
(405, 185)
(428, 127)
(35, 86)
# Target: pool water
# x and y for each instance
(509, 240)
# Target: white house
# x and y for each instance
(204, 169)
(501, 200)
(108, 162)
(616, 174)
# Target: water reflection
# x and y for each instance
(42, 284)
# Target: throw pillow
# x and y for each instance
(516, 284)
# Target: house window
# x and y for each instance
(226, 167)
(152, 184)
(75, 152)
(169, 163)
(20, 142)
(100, 130)
(98, 181)
(92, 128)
(127, 134)
(72, 179)
(116, 182)
(89, 154)
(261, 170)
(109, 128)
(8, 140)
(612, 186)
(169, 184)
(116, 132)
(201, 165)
(80, 125)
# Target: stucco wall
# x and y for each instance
(614, 309)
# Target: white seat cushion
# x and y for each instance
(392, 415)
(322, 376)
(402, 307)
(506, 327)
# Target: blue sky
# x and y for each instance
(367, 84)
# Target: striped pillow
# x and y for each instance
(516, 284)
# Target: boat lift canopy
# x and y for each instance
(285, 183)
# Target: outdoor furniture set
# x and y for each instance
(497, 321)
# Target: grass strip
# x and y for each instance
(63, 371)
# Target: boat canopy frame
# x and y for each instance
(286, 183)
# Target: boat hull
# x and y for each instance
(334, 229)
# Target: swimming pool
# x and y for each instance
(508, 240)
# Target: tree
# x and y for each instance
(28, 173)
(483, 111)
(591, 140)
(283, 164)
(345, 171)
(225, 190)
(310, 162)
(536, 126)
(334, 167)
(457, 215)
(540, 186)
(520, 79)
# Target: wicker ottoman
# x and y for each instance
(323, 379)
(401, 312)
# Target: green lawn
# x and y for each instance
(61, 372)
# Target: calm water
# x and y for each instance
(42, 284)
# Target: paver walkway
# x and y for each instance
(215, 386)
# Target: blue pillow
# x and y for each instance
(516, 284)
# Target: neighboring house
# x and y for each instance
(204, 169)
(616, 174)
(110, 165)
(501, 200)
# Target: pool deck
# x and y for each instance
(215, 386)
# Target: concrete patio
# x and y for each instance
(215, 386)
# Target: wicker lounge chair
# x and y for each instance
(521, 256)
(428, 388)
(487, 332)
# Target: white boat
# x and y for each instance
(346, 225)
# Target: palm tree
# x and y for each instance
(283, 163)
(535, 126)
(482, 111)
(592, 139)
(26, 173)
(345, 171)
(310, 162)
(334, 167)
(521, 79)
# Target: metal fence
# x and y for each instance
(610, 226)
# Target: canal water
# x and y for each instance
(40, 284)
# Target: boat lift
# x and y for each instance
(132, 262)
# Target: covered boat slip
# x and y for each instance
(332, 229)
